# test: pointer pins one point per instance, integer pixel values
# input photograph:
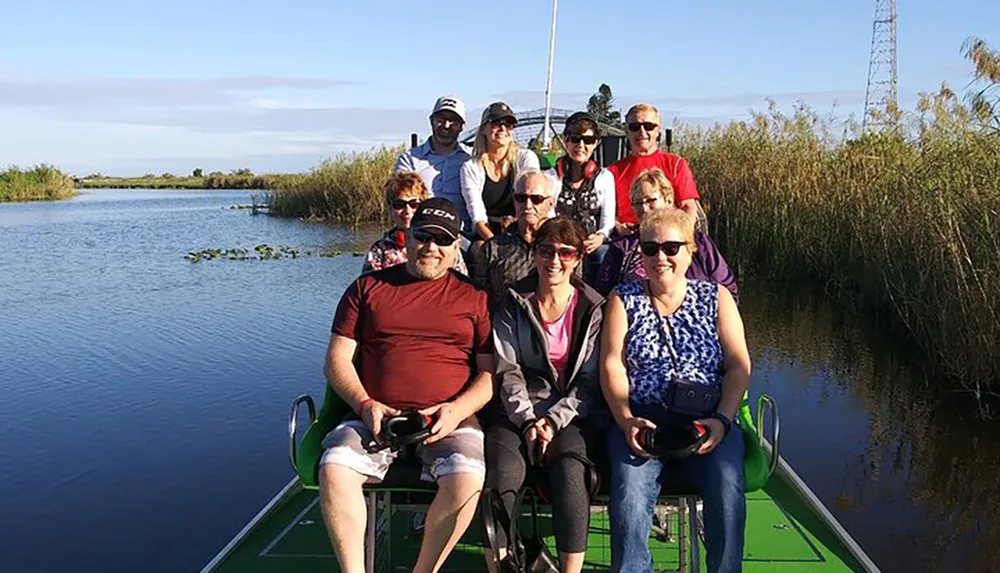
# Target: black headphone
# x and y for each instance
(589, 169)
(673, 441)
(410, 427)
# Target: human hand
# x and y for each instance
(445, 419)
(631, 427)
(716, 432)
(546, 433)
(372, 413)
(591, 243)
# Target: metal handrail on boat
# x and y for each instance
(293, 422)
(766, 400)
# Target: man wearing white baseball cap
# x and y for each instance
(439, 160)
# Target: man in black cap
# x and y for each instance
(403, 338)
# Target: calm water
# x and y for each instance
(143, 398)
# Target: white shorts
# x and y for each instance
(461, 451)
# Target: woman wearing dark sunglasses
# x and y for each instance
(542, 419)
(623, 262)
(588, 191)
(487, 179)
(644, 129)
(661, 334)
(404, 191)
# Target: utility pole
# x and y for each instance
(546, 138)
(881, 96)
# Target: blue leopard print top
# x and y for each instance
(693, 328)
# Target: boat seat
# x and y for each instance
(404, 474)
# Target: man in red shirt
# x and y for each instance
(643, 122)
(411, 336)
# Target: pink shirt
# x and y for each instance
(558, 334)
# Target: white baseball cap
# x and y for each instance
(450, 103)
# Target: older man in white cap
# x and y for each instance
(438, 160)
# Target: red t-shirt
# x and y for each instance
(628, 168)
(417, 339)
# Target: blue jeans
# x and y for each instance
(635, 486)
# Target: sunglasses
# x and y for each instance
(508, 122)
(669, 248)
(577, 138)
(648, 202)
(547, 251)
(437, 239)
(647, 125)
(535, 199)
(399, 204)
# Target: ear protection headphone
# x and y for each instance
(410, 427)
(589, 169)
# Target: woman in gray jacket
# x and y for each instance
(487, 179)
(545, 337)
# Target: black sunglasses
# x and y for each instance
(548, 250)
(669, 248)
(504, 121)
(400, 203)
(535, 199)
(577, 138)
(647, 125)
(436, 238)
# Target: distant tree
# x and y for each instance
(197, 172)
(167, 176)
(601, 106)
(244, 172)
(149, 176)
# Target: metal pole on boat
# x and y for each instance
(546, 138)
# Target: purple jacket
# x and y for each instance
(624, 261)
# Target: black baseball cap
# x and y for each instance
(577, 118)
(437, 214)
(497, 110)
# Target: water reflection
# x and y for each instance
(920, 487)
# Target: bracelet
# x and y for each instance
(361, 406)
(726, 422)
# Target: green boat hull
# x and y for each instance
(787, 529)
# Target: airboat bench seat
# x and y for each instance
(402, 485)
(403, 477)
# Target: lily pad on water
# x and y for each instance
(260, 253)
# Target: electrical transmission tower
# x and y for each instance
(881, 100)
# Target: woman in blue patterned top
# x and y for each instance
(657, 331)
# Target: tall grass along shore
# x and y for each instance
(347, 188)
(908, 224)
(39, 183)
(210, 181)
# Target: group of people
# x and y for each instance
(539, 319)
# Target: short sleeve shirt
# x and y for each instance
(417, 339)
(673, 166)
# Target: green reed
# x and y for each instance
(347, 188)
(907, 223)
(39, 183)
(211, 181)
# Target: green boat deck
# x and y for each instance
(785, 531)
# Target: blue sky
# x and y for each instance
(142, 86)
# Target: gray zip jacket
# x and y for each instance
(527, 382)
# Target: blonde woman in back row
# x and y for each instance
(487, 179)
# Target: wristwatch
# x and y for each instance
(726, 422)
